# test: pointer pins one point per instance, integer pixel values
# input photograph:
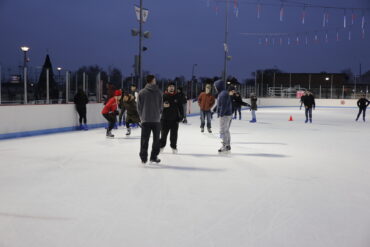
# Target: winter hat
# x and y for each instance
(118, 93)
(171, 84)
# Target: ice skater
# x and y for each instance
(80, 101)
(225, 112)
(253, 108)
(173, 113)
(129, 104)
(309, 104)
(184, 103)
(110, 112)
(206, 101)
(237, 105)
(150, 106)
(362, 104)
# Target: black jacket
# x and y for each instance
(176, 110)
(80, 100)
(182, 98)
(309, 101)
(254, 103)
(363, 103)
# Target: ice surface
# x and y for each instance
(285, 184)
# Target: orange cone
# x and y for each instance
(291, 118)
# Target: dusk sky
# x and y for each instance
(78, 33)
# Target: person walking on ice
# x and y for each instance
(362, 104)
(172, 115)
(150, 106)
(206, 101)
(253, 108)
(225, 112)
(309, 104)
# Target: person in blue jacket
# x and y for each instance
(225, 112)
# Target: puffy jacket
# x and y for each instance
(224, 102)
(206, 101)
(131, 110)
(175, 111)
(254, 103)
(111, 106)
(150, 104)
(363, 103)
(309, 101)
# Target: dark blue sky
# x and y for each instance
(90, 32)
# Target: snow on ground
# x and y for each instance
(284, 184)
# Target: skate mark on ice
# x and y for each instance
(230, 154)
(32, 217)
(183, 168)
(261, 143)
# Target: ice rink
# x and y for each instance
(285, 184)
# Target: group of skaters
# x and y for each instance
(160, 113)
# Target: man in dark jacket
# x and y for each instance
(173, 113)
(184, 102)
(309, 104)
(362, 104)
(224, 111)
(150, 105)
(80, 101)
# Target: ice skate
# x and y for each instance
(202, 130)
(310, 120)
(85, 127)
(306, 121)
(224, 149)
(109, 134)
(174, 150)
(185, 121)
(209, 130)
(161, 150)
(156, 161)
(128, 131)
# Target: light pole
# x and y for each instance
(142, 15)
(226, 48)
(25, 49)
(192, 78)
(59, 69)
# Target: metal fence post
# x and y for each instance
(47, 87)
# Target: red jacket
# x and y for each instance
(111, 106)
(206, 101)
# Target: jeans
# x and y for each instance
(146, 129)
(166, 127)
(111, 117)
(253, 114)
(363, 111)
(203, 116)
(81, 110)
(308, 112)
(225, 123)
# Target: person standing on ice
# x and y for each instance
(110, 112)
(173, 113)
(362, 104)
(253, 108)
(130, 106)
(80, 101)
(309, 104)
(150, 106)
(206, 101)
(225, 112)
(184, 103)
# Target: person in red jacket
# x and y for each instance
(110, 111)
(206, 101)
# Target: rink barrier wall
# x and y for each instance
(32, 120)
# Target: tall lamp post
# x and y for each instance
(226, 48)
(25, 49)
(142, 16)
(192, 78)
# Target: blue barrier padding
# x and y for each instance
(101, 125)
